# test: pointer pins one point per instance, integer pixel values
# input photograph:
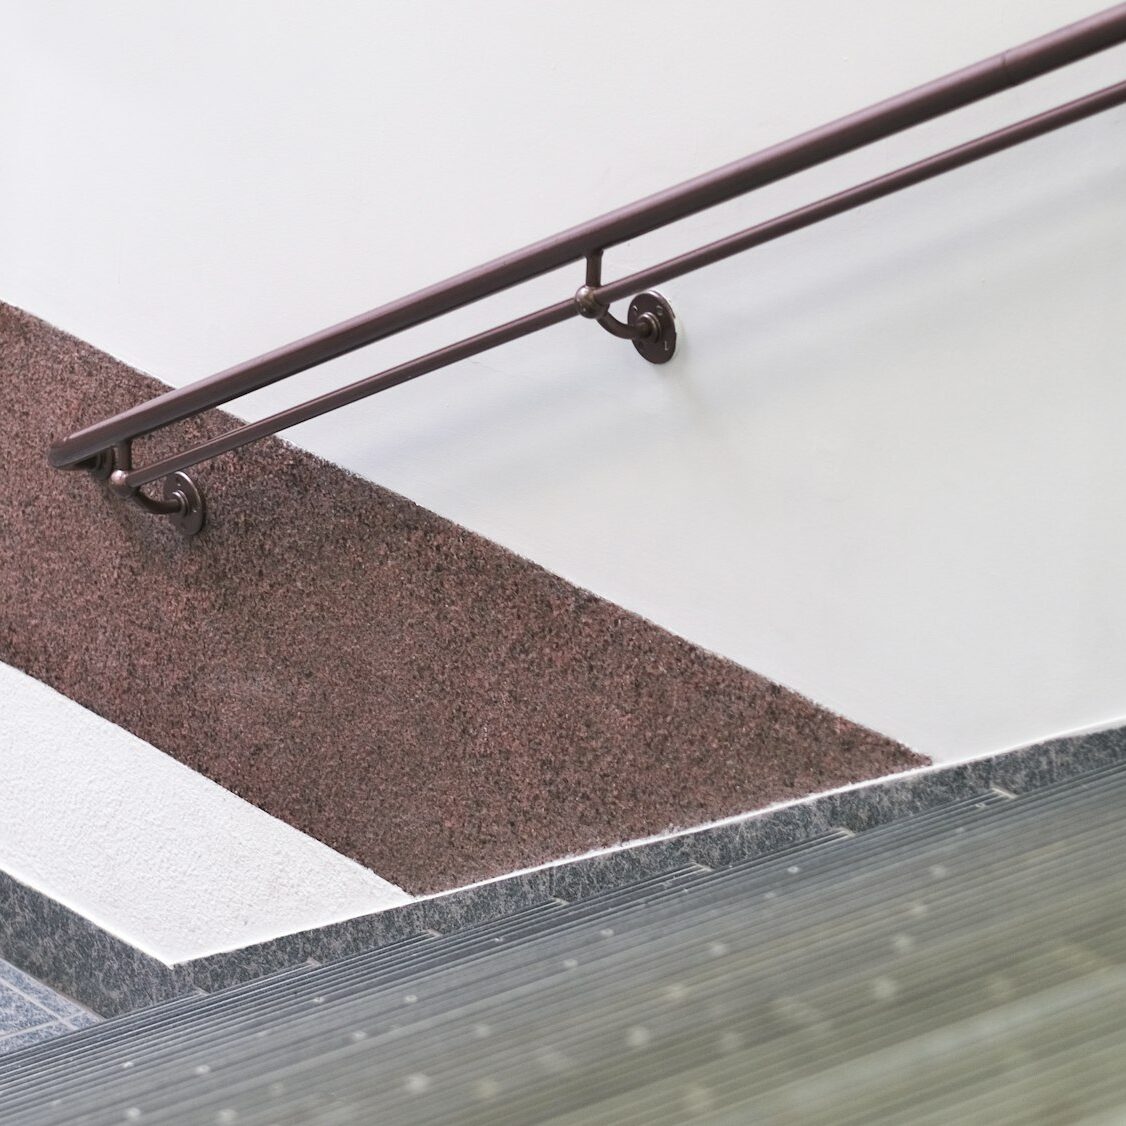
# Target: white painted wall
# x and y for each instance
(886, 468)
(170, 862)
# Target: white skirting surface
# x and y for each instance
(149, 849)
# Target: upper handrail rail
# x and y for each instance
(105, 447)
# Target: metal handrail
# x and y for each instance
(105, 449)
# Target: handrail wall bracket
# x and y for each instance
(650, 323)
(182, 500)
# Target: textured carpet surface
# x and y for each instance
(404, 690)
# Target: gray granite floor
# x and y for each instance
(31, 1012)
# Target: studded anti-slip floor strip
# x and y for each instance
(966, 964)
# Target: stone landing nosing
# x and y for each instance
(106, 974)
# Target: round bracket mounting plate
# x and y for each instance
(101, 465)
(660, 347)
(182, 489)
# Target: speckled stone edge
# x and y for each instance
(78, 958)
(74, 956)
